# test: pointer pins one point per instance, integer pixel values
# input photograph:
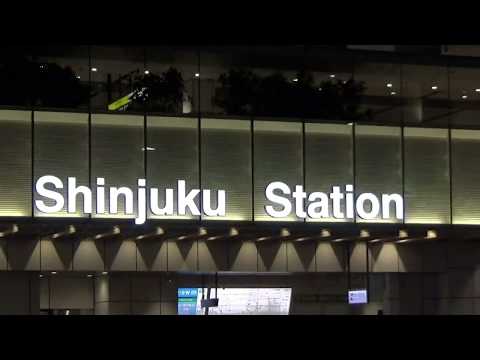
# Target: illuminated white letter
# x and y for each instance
(349, 201)
(128, 195)
(299, 195)
(142, 202)
(322, 205)
(185, 201)
(386, 199)
(361, 206)
(269, 193)
(100, 196)
(337, 196)
(207, 206)
(167, 209)
(73, 191)
(40, 189)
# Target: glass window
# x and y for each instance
(464, 96)
(382, 96)
(116, 74)
(63, 78)
(426, 94)
(171, 80)
(18, 76)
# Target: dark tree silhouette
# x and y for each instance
(24, 83)
(164, 92)
(241, 92)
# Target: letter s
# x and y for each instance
(287, 205)
(40, 189)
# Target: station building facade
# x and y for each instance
(111, 212)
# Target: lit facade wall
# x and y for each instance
(427, 166)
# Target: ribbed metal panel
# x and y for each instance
(277, 157)
(227, 165)
(465, 176)
(329, 160)
(16, 163)
(427, 188)
(173, 156)
(117, 154)
(61, 150)
(378, 165)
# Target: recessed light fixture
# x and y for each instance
(434, 87)
(53, 272)
(147, 72)
(94, 69)
(332, 76)
(477, 90)
(40, 276)
(389, 85)
(464, 96)
(89, 275)
(393, 93)
(197, 75)
(295, 80)
(78, 76)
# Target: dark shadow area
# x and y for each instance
(149, 251)
(306, 252)
(64, 249)
(219, 252)
(268, 251)
(20, 252)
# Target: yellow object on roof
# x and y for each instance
(120, 102)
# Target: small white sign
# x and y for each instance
(357, 297)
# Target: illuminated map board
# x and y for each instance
(236, 301)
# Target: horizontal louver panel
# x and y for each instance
(465, 176)
(329, 161)
(278, 157)
(61, 150)
(427, 179)
(378, 161)
(16, 163)
(172, 155)
(117, 155)
(227, 165)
